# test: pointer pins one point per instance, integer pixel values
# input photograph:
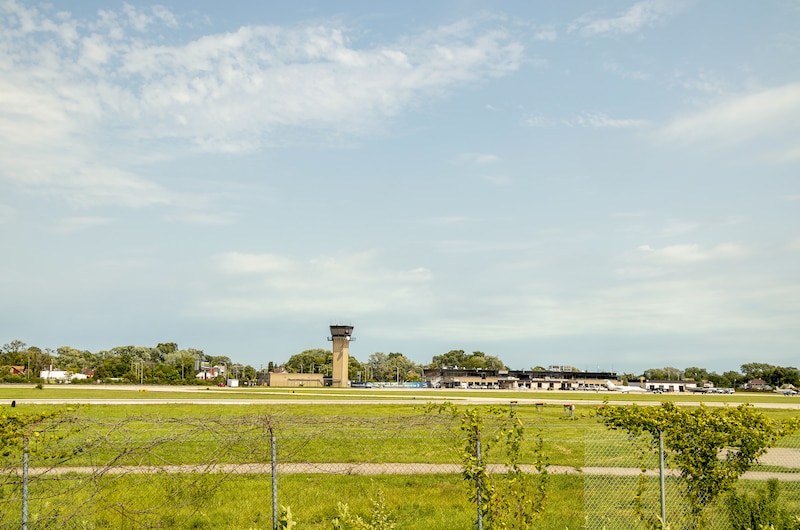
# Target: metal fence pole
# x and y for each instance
(480, 494)
(273, 449)
(25, 483)
(661, 473)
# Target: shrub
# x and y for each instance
(758, 510)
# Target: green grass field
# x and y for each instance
(232, 426)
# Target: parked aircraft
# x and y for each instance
(623, 388)
(698, 389)
(786, 391)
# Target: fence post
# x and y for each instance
(25, 483)
(478, 481)
(661, 474)
(273, 450)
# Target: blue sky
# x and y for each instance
(610, 185)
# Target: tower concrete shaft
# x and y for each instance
(341, 336)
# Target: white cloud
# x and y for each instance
(7, 213)
(453, 219)
(640, 15)
(703, 82)
(546, 34)
(598, 120)
(478, 158)
(69, 225)
(586, 120)
(687, 254)
(242, 263)
(630, 214)
(632, 308)
(68, 86)
(239, 90)
(538, 121)
(498, 180)
(614, 67)
(771, 113)
(679, 228)
(265, 284)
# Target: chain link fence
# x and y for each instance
(624, 486)
(160, 472)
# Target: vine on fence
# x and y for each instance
(711, 447)
(17, 427)
(511, 500)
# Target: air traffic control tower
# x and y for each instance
(341, 336)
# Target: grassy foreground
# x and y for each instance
(335, 430)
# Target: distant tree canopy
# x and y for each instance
(168, 363)
(317, 360)
(457, 358)
(392, 367)
(165, 363)
(773, 375)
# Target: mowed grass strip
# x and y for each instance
(91, 392)
(181, 434)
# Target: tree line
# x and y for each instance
(391, 366)
(166, 363)
(775, 376)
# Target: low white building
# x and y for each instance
(54, 375)
(669, 386)
(208, 374)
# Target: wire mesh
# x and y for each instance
(160, 472)
(622, 484)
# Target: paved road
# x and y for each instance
(370, 469)
(788, 405)
(57, 395)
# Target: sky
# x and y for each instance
(611, 185)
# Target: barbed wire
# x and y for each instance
(152, 471)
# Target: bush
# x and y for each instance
(759, 510)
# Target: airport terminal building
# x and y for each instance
(517, 379)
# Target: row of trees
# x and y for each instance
(775, 376)
(392, 366)
(163, 364)
(166, 363)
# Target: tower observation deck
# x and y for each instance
(341, 335)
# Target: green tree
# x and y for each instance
(249, 374)
(311, 361)
(75, 360)
(378, 367)
(38, 360)
(184, 361)
(450, 359)
(697, 374)
(219, 360)
(13, 353)
(480, 360)
(401, 366)
(353, 367)
(711, 447)
(731, 379)
(668, 373)
(756, 370)
(783, 375)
